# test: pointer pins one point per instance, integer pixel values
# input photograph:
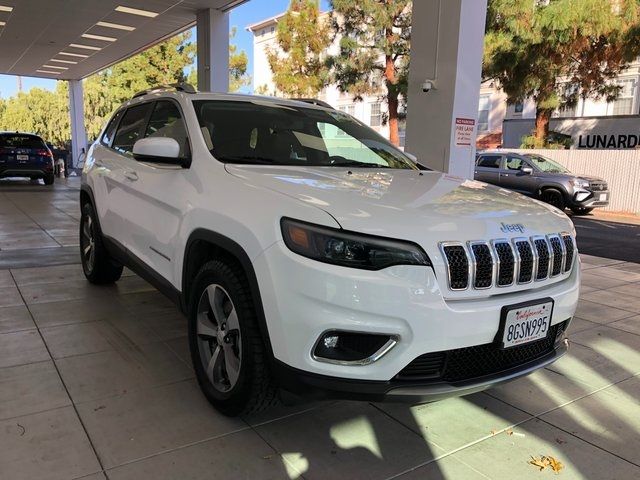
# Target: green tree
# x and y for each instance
(297, 63)
(374, 51)
(39, 111)
(558, 51)
(238, 61)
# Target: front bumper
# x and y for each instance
(303, 298)
(308, 385)
(589, 199)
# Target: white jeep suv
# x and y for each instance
(311, 255)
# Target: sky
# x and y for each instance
(240, 17)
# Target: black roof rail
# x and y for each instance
(178, 87)
(313, 101)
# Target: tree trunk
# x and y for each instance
(392, 100)
(542, 124)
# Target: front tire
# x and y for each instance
(227, 350)
(98, 266)
(554, 197)
(581, 210)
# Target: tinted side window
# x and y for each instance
(131, 128)
(110, 131)
(514, 163)
(166, 121)
(490, 161)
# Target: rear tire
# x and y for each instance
(98, 266)
(49, 179)
(554, 197)
(581, 210)
(228, 352)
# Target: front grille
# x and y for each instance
(458, 266)
(483, 261)
(556, 248)
(542, 249)
(568, 246)
(598, 186)
(500, 262)
(525, 253)
(506, 265)
(463, 364)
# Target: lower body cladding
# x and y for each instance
(338, 332)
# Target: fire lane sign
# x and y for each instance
(464, 131)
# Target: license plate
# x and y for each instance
(22, 157)
(603, 197)
(525, 323)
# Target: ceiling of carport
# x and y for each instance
(36, 36)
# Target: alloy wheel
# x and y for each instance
(218, 336)
(88, 243)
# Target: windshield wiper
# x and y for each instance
(355, 163)
(257, 160)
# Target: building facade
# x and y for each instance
(371, 110)
(592, 123)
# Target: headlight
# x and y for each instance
(330, 245)
(579, 183)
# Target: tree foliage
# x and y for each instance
(558, 51)
(297, 63)
(374, 51)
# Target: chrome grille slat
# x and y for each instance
(505, 262)
(458, 266)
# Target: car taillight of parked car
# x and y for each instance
(43, 152)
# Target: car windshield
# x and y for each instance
(20, 141)
(546, 164)
(262, 132)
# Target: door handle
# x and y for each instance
(131, 175)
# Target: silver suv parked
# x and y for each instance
(542, 178)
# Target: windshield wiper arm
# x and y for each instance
(248, 159)
(355, 163)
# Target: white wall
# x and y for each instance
(620, 168)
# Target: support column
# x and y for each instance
(76, 111)
(213, 50)
(446, 47)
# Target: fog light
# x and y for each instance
(352, 347)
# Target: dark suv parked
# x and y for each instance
(25, 155)
(542, 178)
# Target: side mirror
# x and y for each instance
(527, 170)
(158, 150)
(411, 156)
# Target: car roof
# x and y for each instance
(29, 134)
(229, 97)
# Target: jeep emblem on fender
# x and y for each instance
(512, 227)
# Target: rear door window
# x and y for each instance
(489, 161)
(21, 141)
(131, 128)
(110, 131)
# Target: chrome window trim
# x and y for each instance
(386, 348)
(515, 266)
(472, 255)
(515, 241)
(442, 246)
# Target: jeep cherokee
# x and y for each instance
(311, 255)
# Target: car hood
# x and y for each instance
(424, 207)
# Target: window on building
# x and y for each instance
(623, 105)
(376, 115)
(569, 92)
(518, 108)
(483, 113)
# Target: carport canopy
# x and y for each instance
(72, 39)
